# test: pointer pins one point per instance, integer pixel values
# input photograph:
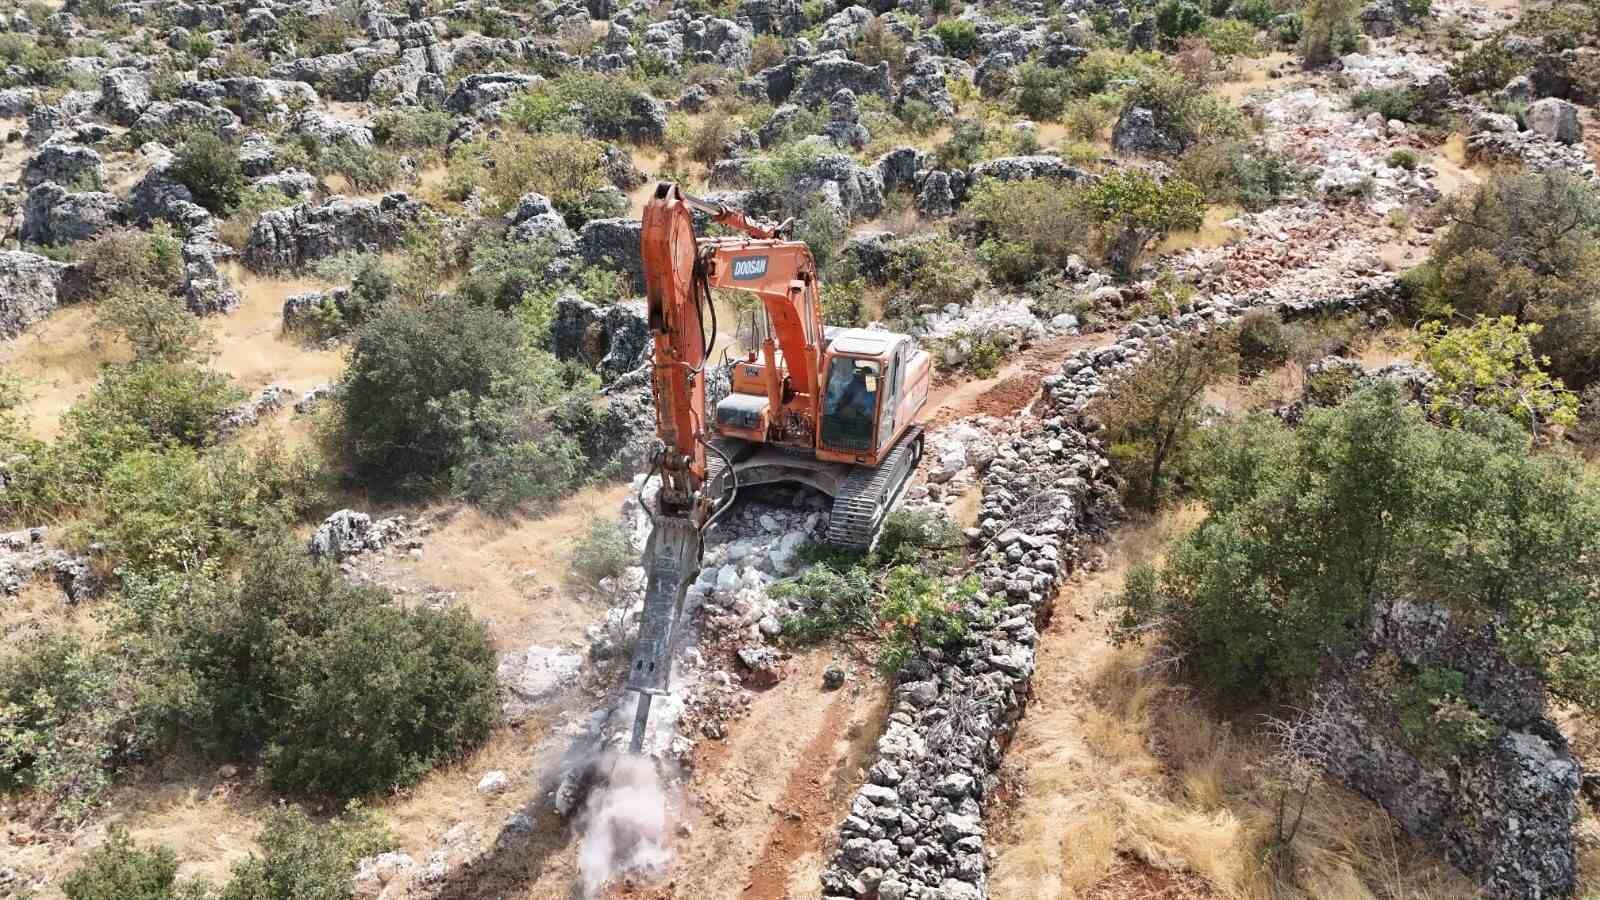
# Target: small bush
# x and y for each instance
(1259, 13)
(1486, 67)
(1404, 104)
(592, 104)
(365, 169)
(156, 325)
(934, 270)
(566, 169)
(412, 129)
(209, 168)
(1229, 38)
(1261, 342)
(1327, 29)
(1025, 228)
(239, 61)
(1042, 91)
(602, 553)
(1404, 159)
(964, 146)
(118, 870)
(959, 36)
(303, 860)
(766, 51)
(130, 259)
(1131, 208)
(843, 303)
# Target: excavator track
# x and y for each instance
(868, 493)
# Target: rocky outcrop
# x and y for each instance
(68, 165)
(51, 215)
(347, 533)
(1554, 120)
(24, 556)
(1523, 775)
(285, 239)
(28, 290)
(611, 340)
(613, 244)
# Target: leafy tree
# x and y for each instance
(1132, 208)
(1308, 528)
(411, 369)
(1178, 18)
(1327, 28)
(1150, 412)
(209, 168)
(1527, 246)
(1491, 363)
(959, 36)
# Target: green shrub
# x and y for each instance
(1259, 13)
(1235, 171)
(1042, 91)
(933, 270)
(365, 169)
(1230, 38)
(1261, 342)
(1404, 159)
(964, 146)
(1178, 18)
(1327, 29)
(1486, 67)
(500, 273)
(302, 860)
(25, 61)
(130, 259)
(239, 61)
(1402, 103)
(823, 230)
(66, 723)
(379, 698)
(564, 168)
(119, 870)
(1307, 528)
(340, 690)
(1435, 717)
(410, 371)
(911, 537)
(602, 553)
(1183, 109)
(412, 129)
(522, 443)
(599, 105)
(1491, 364)
(844, 303)
(209, 168)
(960, 37)
(1151, 412)
(1025, 228)
(157, 325)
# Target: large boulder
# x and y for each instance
(124, 94)
(68, 165)
(284, 239)
(1137, 131)
(612, 339)
(825, 75)
(1555, 120)
(28, 290)
(168, 119)
(258, 101)
(485, 94)
(339, 76)
(613, 244)
(51, 215)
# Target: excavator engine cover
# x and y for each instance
(746, 412)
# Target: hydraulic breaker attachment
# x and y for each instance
(672, 560)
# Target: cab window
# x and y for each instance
(850, 403)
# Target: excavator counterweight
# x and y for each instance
(833, 408)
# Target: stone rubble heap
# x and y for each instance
(348, 533)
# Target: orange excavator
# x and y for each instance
(833, 408)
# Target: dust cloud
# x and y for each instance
(624, 825)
